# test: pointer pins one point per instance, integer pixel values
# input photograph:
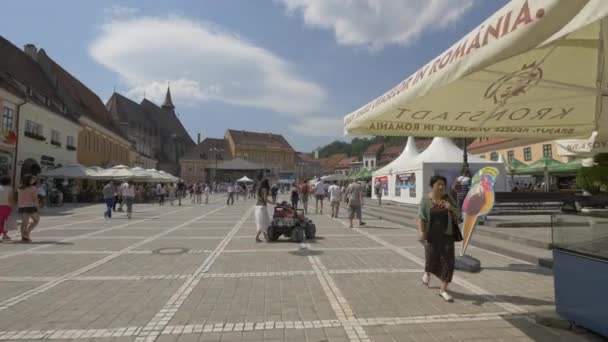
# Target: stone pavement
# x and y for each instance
(195, 273)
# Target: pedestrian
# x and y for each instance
(7, 201)
(27, 201)
(108, 197)
(305, 191)
(121, 190)
(354, 195)
(172, 190)
(181, 187)
(262, 217)
(75, 192)
(192, 190)
(199, 193)
(319, 195)
(378, 190)
(295, 195)
(462, 185)
(42, 193)
(128, 196)
(274, 192)
(207, 191)
(438, 230)
(335, 194)
(230, 190)
(161, 192)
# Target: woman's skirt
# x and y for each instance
(262, 218)
(440, 258)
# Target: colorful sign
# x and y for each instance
(479, 202)
(405, 181)
(384, 181)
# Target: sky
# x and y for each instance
(293, 67)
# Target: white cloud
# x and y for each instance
(377, 23)
(202, 63)
(319, 127)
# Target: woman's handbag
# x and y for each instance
(457, 234)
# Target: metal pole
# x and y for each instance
(465, 154)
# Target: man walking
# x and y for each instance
(319, 195)
(230, 200)
(108, 197)
(335, 193)
(305, 191)
(207, 190)
(354, 195)
(181, 187)
(378, 190)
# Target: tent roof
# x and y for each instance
(410, 152)
(245, 179)
(443, 150)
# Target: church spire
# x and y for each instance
(168, 104)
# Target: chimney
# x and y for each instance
(198, 139)
(31, 50)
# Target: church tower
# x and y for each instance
(168, 104)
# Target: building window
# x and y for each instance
(7, 119)
(33, 127)
(69, 142)
(366, 163)
(483, 156)
(527, 153)
(547, 151)
(494, 156)
(510, 156)
(55, 137)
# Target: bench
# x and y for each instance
(533, 203)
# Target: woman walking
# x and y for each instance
(172, 192)
(295, 195)
(28, 206)
(128, 196)
(7, 200)
(438, 229)
(262, 218)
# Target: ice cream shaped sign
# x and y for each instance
(479, 202)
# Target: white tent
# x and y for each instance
(410, 177)
(512, 76)
(409, 154)
(245, 179)
(71, 171)
(335, 177)
(116, 172)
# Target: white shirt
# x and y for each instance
(319, 188)
(230, 188)
(123, 187)
(5, 192)
(335, 192)
(128, 191)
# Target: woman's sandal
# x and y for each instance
(446, 296)
(426, 280)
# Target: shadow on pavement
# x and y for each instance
(537, 332)
(44, 242)
(517, 300)
(306, 252)
(522, 268)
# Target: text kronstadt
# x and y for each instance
(486, 34)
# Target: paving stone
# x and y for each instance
(260, 262)
(31, 265)
(150, 264)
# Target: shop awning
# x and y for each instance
(533, 69)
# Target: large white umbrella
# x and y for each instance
(71, 171)
(116, 172)
(533, 69)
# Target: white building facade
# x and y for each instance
(46, 138)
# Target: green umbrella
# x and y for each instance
(571, 167)
(514, 165)
(538, 167)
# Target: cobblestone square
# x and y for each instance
(195, 273)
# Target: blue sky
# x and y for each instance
(294, 67)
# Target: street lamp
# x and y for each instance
(216, 150)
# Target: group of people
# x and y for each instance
(118, 194)
(27, 202)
